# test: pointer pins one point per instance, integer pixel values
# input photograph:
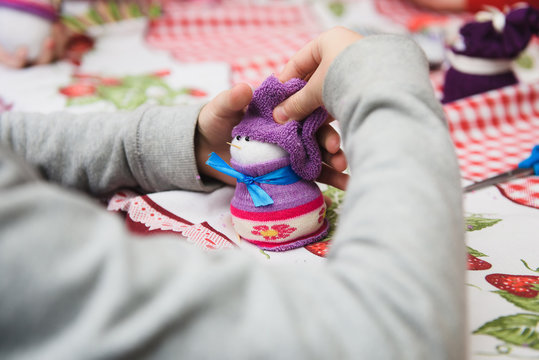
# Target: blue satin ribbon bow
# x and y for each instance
(281, 176)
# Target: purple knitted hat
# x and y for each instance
(295, 137)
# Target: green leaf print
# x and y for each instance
(525, 61)
(332, 212)
(128, 92)
(474, 252)
(94, 15)
(85, 100)
(154, 11)
(518, 329)
(123, 97)
(337, 8)
(476, 222)
(530, 304)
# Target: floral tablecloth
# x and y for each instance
(492, 132)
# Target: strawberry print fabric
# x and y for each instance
(410, 15)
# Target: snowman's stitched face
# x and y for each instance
(247, 152)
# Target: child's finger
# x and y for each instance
(302, 103)
(337, 161)
(302, 64)
(47, 52)
(4, 57)
(328, 201)
(16, 60)
(229, 102)
(60, 34)
(329, 138)
(332, 177)
(329, 119)
(240, 96)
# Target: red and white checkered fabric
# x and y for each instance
(493, 132)
(437, 79)
(256, 40)
(410, 15)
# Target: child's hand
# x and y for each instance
(215, 123)
(334, 160)
(52, 48)
(311, 63)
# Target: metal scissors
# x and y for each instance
(527, 167)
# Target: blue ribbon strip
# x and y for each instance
(281, 176)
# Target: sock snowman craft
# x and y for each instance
(277, 205)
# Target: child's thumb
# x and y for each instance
(299, 105)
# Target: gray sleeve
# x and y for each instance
(76, 284)
(400, 239)
(151, 148)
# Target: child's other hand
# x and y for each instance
(52, 48)
(214, 126)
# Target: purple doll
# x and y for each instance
(481, 60)
(277, 205)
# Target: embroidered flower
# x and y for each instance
(321, 214)
(281, 231)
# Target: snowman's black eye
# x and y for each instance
(238, 138)
(247, 138)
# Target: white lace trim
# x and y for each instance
(140, 211)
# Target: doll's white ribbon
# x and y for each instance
(479, 66)
(494, 15)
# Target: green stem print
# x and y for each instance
(528, 267)
(336, 196)
(126, 93)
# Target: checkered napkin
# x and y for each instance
(256, 40)
(493, 132)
